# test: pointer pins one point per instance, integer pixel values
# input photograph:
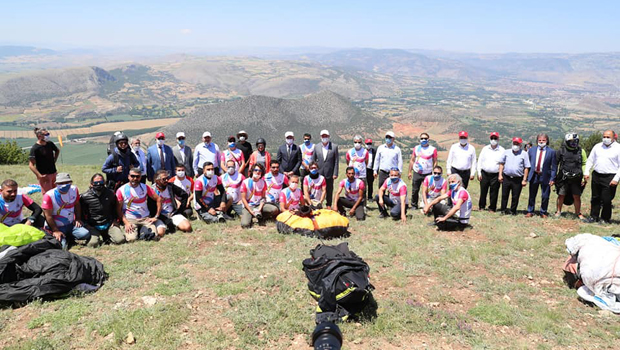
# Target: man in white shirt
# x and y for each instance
(604, 159)
(388, 156)
(488, 171)
(462, 159)
(206, 151)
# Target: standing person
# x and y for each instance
(133, 210)
(544, 168)
(370, 178)
(291, 198)
(488, 172)
(42, 160)
(232, 182)
(276, 181)
(513, 169)
(357, 157)
(260, 156)
(234, 154)
(396, 199)
(327, 157)
(423, 160)
(207, 203)
(571, 167)
(315, 187)
(138, 152)
(454, 216)
(253, 190)
(353, 199)
(112, 142)
(204, 152)
(245, 147)
(462, 159)
(388, 157)
(99, 213)
(434, 185)
(159, 157)
(289, 156)
(172, 210)
(183, 155)
(63, 214)
(12, 206)
(117, 165)
(307, 151)
(604, 159)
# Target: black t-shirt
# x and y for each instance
(246, 148)
(44, 157)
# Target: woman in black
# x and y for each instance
(43, 156)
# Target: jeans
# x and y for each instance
(395, 207)
(73, 233)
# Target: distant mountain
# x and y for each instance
(270, 118)
(7, 51)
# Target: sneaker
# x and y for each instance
(227, 217)
(604, 222)
(557, 214)
(382, 216)
(591, 220)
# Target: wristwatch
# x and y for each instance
(31, 219)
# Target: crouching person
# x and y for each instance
(171, 212)
(353, 199)
(232, 182)
(456, 216)
(209, 205)
(12, 206)
(63, 215)
(99, 213)
(253, 190)
(132, 208)
(291, 198)
(395, 199)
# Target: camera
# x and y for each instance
(327, 336)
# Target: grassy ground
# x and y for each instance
(498, 285)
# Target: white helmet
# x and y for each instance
(571, 137)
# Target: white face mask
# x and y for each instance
(135, 147)
(493, 143)
(607, 141)
(358, 146)
(241, 138)
(542, 144)
(516, 148)
(181, 174)
(160, 142)
(209, 173)
(325, 139)
(293, 185)
(231, 170)
(463, 141)
(289, 141)
(46, 138)
(256, 176)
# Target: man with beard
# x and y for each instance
(12, 206)
(132, 209)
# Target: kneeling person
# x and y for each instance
(455, 217)
(434, 185)
(171, 212)
(353, 197)
(99, 211)
(12, 205)
(253, 192)
(232, 182)
(315, 187)
(291, 197)
(209, 205)
(186, 183)
(396, 198)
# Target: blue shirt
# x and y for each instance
(515, 163)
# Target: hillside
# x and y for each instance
(9, 51)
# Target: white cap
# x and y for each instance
(242, 132)
(180, 134)
(206, 134)
(390, 134)
(289, 133)
(324, 132)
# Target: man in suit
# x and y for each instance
(289, 156)
(184, 155)
(160, 156)
(544, 168)
(326, 156)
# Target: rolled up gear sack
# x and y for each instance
(322, 223)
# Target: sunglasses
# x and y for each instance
(161, 138)
(257, 170)
(134, 176)
(98, 183)
(423, 138)
(306, 139)
(494, 138)
(434, 173)
(181, 138)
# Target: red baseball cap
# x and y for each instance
(160, 135)
(494, 133)
(368, 141)
(517, 139)
(463, 134)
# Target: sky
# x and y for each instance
(465, 26)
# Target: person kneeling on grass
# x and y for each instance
(171, 213)
(455, 217)
(291, 197)
(353, 196)
(99, 211)
(253, 191)
(315, 187)
(209, 205)
(12, 206)
(434, 185)
(187, 184)
(396, 199)
(232, 182)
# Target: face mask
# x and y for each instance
(98, 187)
(46, 138)
(231, 145)
(424, 142)
(358, 146)
(293, 185)
(393, 180)
(241, 138)
(231, 171)
(209, 173)
(289, 141)
(607, 141)
(256, 176)
(368, 145)
(542, 144)
(307, 142)
(325, 139)
(493, 143)
(463, 141)
(388, 141)
(160, 142)
(63, 188)
(453, 186)
(181, 173)
(437, 177)
(135, 148)
(207, 143)
(181, 142)
(123, 150)
(516, 148)
(314, 171)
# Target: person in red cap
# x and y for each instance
(462, 159)
(371, 163)
(513, 169)
(160, 156)
(488, 172)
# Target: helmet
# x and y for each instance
(261, 140)
(120, 137)
(571, 136)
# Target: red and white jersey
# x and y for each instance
(464, 211)
(275, 183)
(11, 212)
(134, 200)
(290, 197)
(352, 190)
(357, 159)
(232, 184)
(423, 159)
(306, 153)
(187, 183)
(435, 186)
(207, 186)
(396, 190)
(62, 205)
(236, 155)
(315, 186)
(254, 191)
(166, 200)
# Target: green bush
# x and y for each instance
(11, 153)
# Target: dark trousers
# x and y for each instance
(546, 192)
(452, 223)
(602, 194)
(344, 203)
(465, 174)
(370, 178)
(389, 203)
(383, 175)
(329, 188)
(416, 184)
(489, 184)
(511, 186)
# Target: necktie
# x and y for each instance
(161, 157)
(288, 149)
(539, 160)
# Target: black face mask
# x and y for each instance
(98, 188)
(123, 150)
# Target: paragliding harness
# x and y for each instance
(570, 170)
(338, 280)
(112, 184)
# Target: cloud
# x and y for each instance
(186, 31)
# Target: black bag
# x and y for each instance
(339, 280)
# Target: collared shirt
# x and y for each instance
(605, 159)
(515, 163)
(204, 153)
(325, 150)
(182, 152)
(388, 157)
(462, 158)
(489, 159)
(542, 160)
(141, 159)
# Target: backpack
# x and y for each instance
(338, 280)
(570, 164)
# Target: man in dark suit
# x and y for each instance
(326, 156)
(160, 156)
(544, 168)
(289, 156)
(184, 155)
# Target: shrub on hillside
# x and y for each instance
(11, 153)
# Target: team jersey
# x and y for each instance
(236, 155)
(353, 190)
(186, 184)
(396, 190)
(464, 211)
(306, 153)
(11, 212)
(62, 205)
(166, 200)
(357, 159)
(275, 183)
(134, 200)
(207, 186)
(232, 184)
(315, 186)
(254, 191)
(434, 186)
(290, 197)
(423, 159)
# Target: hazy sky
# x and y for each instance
(475, 26)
